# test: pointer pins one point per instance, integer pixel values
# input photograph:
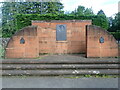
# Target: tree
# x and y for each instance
(54, 8)
(11, 9)
(88, 12)
(115, 23)
(115, 27)
(8, 22)
(82, 11)
(101, 20)
(111, 24)
(101, 12)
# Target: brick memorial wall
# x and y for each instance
(42, 39)
(61, 36)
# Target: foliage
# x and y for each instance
(17, 15)
(81, 10)
(101, 20)
(101, 12)
(11, 9)
(116, 35)
(7, 18)
(114, 25)
(25, 20)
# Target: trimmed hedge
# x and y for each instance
(25, 20)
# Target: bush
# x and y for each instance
(116, 35)
(25, 20)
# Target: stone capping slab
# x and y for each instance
(62, 41)
(59, 21)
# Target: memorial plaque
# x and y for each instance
(61, 32)
(22, 41)
(101, 40)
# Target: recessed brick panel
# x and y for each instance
(76, 36)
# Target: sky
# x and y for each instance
(110, 7)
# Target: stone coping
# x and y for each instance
(59, 21)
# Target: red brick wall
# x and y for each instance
(76, 36)
(42, 39)
(96, 49)
(27, 50)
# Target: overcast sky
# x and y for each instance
(110, 7)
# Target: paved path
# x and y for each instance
(66, 57)
(58, 82)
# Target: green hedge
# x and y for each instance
(25, 20)
(116, 35)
